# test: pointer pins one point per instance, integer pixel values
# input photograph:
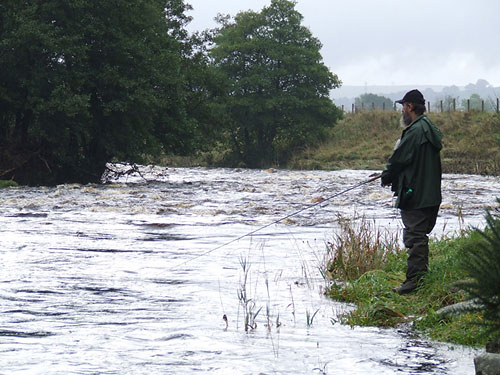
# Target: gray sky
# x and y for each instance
(392, 42)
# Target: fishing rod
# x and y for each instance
(373, 178)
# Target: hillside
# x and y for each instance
(365, 141)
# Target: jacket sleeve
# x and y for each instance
(401, 157)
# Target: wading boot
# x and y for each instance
(407, 287)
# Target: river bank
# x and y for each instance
(377, 305)
(365, 140)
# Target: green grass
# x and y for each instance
(7, 183)
(378, 305)
(365, 140)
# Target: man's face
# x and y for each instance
(406, 113)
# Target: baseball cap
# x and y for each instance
(413, 96)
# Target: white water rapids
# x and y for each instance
(123, 279)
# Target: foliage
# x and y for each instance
(277, 85)
(476, 103)
(373, 101)
(357, 249)
(85, 82)
(7, 183)
(481, 262)
(448, 103)
(377, 305)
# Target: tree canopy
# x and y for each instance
(369, 101)
(277, 89)
(85, 82)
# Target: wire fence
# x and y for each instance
(441, 106)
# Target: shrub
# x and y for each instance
(481, 263)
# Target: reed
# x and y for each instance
(250, 310)
(359, 247)
(310, 318)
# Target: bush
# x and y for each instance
(481, 263)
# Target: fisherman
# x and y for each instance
(414, 173)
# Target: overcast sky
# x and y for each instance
(392, 42)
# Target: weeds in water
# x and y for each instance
(278, 322)
(310, 318)
(357, 249)
(292, 304)
(321, 370)
(247, 303)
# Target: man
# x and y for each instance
(414, 171)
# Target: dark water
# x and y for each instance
(125, 279)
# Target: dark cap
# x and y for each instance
(413, 96)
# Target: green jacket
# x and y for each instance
(414, 169)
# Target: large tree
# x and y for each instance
(85, 82)
(277, 85)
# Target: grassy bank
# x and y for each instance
(365, 140)
(7, 183)
(364, 271)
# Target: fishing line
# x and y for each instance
(373, 178)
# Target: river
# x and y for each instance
(135, 276)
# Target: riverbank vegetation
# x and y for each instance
(86, 83)
(363, 269)
(365, 140)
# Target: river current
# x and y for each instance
(146, 275)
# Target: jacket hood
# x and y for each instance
(431, 132)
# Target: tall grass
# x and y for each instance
(365, 140)
(250, 311)
(357, 248)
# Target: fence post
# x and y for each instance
(343, 108)
(498, 105)
(468, 105)
(353, 109)
(482, 105)
(441, 105)
(454, 104)
(395, 105)
(429, 107)
(383, 106)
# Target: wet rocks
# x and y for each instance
(487, 364)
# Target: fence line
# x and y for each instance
(452, 107)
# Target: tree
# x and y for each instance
(449, 103)
(369, 101)
(277, 85)
(481, 262)
(475, 103)
(85, 82)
